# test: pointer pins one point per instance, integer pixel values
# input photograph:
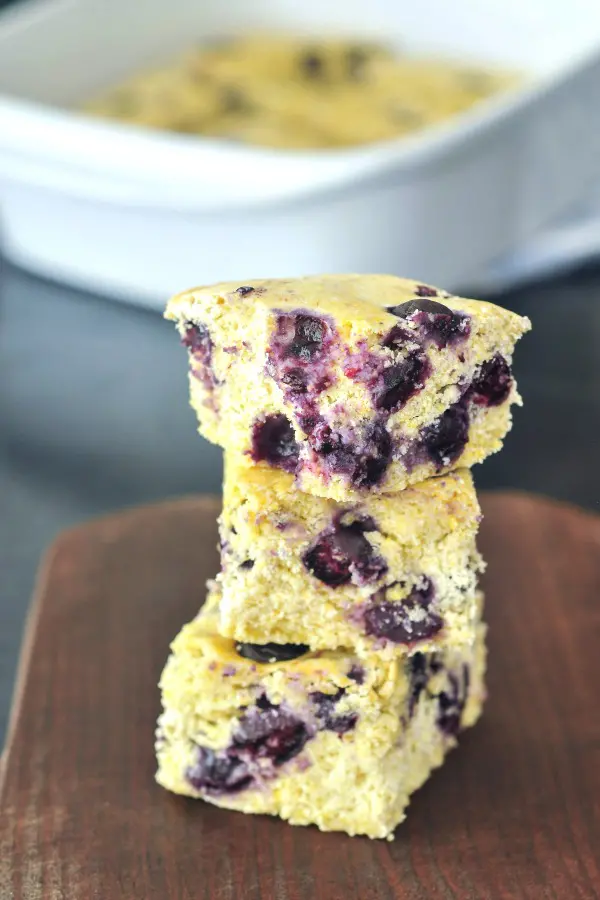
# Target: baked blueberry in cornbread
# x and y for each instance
(322, 738)
(355, 384)
(391, 573)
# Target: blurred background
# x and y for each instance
(457, 146)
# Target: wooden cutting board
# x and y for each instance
(512, 814)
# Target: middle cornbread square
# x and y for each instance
(394, 573)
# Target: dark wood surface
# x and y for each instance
(512, 814)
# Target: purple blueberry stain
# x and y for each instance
(400, 381)
(398, 339)
(326, 715)
(266, 733)
(309, 334)
(342, 554)
(357, 673)
(406, 621)
(445, 439)
(274, 442)
(436, 322)
(271, 731)
(419, 674)
(392, 378)
(197, 339)
(363, 458)
(451, 702)
(298, 359)
(301, 341)
(424, 290)
(218, 772)
(492, 383)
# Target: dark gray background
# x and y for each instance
(94, 417)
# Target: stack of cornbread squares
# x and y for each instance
(341, 648)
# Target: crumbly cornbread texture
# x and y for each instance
(321, 738)
(354, 383)
(388, 574)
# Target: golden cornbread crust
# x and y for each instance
(358, 780)
(269, 594)
(237, 387)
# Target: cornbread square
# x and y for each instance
(354, 383)
(318, 738)
(391, 574)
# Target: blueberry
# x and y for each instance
(374, 457)
(296, 381)
(446, 438)
(268, 653)
(298, 361)
(320, 436)
(356, 673)
(312, 65)
(266, 731)
(436, 322)
(364, 461)
(218, 772)
(273, 441)
(411, 307)
(197, 339)
(327, 718)
(419, 676)
(342, 555)
(398, 338)
(308, 337)
(492, 384)
(273, 733)
(451, 703)
(391, 378)
(392, 620)
(401, 381)
(327, 563)
(299, 338)
(244, 290)
(423, 290)
(247, 564)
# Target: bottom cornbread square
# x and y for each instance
(325, 738)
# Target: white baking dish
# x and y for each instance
(142, 214)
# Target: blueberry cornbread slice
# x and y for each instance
(316, 738)
(392, 574)
(354, 383)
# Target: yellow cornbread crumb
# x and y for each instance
(270, 533)
(221, 710)
(373, 403)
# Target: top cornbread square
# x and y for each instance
(355, 383)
